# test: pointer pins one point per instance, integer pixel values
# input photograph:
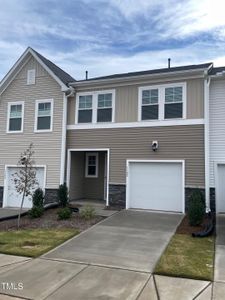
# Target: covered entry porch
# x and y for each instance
(88, 174)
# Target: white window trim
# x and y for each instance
(86, 164)
(8, 116)
(95, 105)
(161, 100)
(36, 115)
(28, 74)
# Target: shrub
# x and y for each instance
(63, 195)
(196, 209)
(38, 198)
(36, 212)
(64, 213)
(87, 212)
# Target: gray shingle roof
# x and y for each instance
(156, 71)
(213, 71)
(62, 75)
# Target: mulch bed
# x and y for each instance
(50, 220)
(185, 228)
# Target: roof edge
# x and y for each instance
(128, 78)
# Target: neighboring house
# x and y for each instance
(216, 138)
(139, 140)
(32, 109)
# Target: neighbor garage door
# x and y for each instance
(12, 197)
(220, 188)
(155, 185)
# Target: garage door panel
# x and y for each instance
(13, 197)
(157, 186)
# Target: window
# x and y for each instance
(162, 102)
(95, 107)
(91, 169)
(31, 76)
(15, 117)
(104, 113)
(173, 102)
(149, 109)
(85, 109)
(44, 112)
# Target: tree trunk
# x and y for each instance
(20, 211)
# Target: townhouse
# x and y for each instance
(139, 140)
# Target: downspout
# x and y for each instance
(206, 141)
(68, 93)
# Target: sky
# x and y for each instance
(113, 36)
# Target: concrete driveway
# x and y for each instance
(132, 240)
(112, 260)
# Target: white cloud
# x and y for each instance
(117, 36)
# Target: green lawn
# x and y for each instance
(33, 242)
(188, 257)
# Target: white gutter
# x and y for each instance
(64, 129)
(206, 141)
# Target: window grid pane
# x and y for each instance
(104, 100)
(44, 109)
(85, 116)
(15, 124)
(104, 115)
(150, 97)
(173, 94)
(16, 111)
(44, 123)
(85, 102)
(173, 110)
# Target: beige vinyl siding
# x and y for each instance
(71, 111)
(126, 102)
(195, 99)
(77, 175)
(47, 146)
(175, 142)
(82, 187)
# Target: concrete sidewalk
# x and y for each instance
(57, 280)
(219, 275)
(10, 213)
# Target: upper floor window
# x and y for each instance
(162, 102)
(31, 74)
(15, 117)
(173, 102)
(85, 109)
(150, 107)
(44, 115)
(104, 113)
(95, 107)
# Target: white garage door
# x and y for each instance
(220, 188)
(156, 186)
(13, 198)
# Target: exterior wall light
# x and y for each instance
(155, 145)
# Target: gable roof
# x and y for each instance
(54, 71)
(151, 72)
(62, 75)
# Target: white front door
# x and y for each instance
(155, 186)
(13, 198)
(220, 189)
